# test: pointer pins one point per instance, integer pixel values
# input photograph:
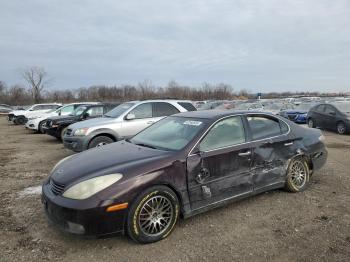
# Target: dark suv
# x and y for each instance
(57, 125)
(332, 116)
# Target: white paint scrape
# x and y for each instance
(35, 190)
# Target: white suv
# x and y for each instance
(19, 116)
(122, 122)
(35, 122)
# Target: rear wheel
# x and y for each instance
(153, 215)
(100, 141)
(341, 128)
(311, 123)
(298, 175)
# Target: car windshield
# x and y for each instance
(342, 106)
(305, 106)
(171, 133)
(119, 110)
(79, 111)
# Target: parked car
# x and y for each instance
(254, 106)
(19, 116)
(122, 122)
(56, 126)
(182, 165)
(36, 123)
(5, 109)
(298, 115)
(276, 108)
(333, 116)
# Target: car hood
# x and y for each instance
(117, 157)
(18, 112)
(93, 122)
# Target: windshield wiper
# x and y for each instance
(145, 145)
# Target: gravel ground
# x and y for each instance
(276, 226)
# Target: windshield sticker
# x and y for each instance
(192, 123)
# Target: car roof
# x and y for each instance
(217, 114)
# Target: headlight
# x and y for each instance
(322, 138)
(91, 186)
(81, 132)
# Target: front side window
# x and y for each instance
(330, 110)
(320, 108)
(263, 127)
(164, 109)
(227, 132)
(142, 111)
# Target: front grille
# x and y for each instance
(292, 117)
(69, 132)
(56, 188)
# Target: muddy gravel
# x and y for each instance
(276, 226)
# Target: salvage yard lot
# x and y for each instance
(277, 226)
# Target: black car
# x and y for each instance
(57, 125)
(331, 116)
(180, 166)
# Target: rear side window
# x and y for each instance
(263, 127)
(187, 106)
(95, 111)
(142, 111)
(164, 109)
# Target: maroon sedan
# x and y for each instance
(180, 166)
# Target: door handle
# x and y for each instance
(150, 122)
(288, 144)
(248, 153)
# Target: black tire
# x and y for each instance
(146, 208)
(298, 175)
(40, 127)
(19, 120)
(63, 132)
(100, 141)
(341, 128)
(311, 123)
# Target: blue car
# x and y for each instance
(298, 115)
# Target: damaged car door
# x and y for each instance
(219, 167)
(271, 150)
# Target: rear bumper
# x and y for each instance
(91, 221)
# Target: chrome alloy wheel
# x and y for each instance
(298, 174)
(155, 216)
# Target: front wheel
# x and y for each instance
(100, 141)
(20, 120)
(341, 128)
(41, 127)
(153, 215)
(298, 175)
(311, 123)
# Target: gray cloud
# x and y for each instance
(260, 45)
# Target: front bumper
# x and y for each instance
(88, 220)
(76, 143)
(52, 131)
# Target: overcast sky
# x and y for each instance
(275, 45)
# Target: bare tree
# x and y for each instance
(36, 77)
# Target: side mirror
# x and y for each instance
(85, 115)
(130, 116)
